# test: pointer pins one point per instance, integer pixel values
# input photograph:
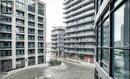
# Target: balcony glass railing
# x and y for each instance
(81, 28)
(31, 37)
(76, 6)
(40, 39)
(40, 25)
(5, 46)
(31, 45)
(19, 46)
(20, 6)
(82, 8)
(5, 53)
(5, 28)
(19, 23)
(19, 52)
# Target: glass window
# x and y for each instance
(99, 55)
(40, 9)
(117, 2)
(31, 5)
(99, 36)
(106, 33)
(105, 55)
(105, 59)
(121, 37)
(121, 64)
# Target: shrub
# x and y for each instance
(54, 62)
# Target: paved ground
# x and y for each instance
(68, 70)
(72, 70)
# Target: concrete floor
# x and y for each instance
(68, 70)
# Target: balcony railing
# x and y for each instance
(80, 15)
(86, 20)
(79, 10)
(82, 28)
(81, 35)
(19, 46)
(76, 6)
(5, 30)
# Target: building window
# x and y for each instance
(121, 64)
(31, 5)
(121, 40)
(105, 59)
(121, 28)
(106, 33)
(40, 9)
(99, 37)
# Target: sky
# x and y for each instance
(54, 15)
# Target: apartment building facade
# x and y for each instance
(112, 26)
(22, 33)
(57, 45)
(79, 34)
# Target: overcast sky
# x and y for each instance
(54, 15)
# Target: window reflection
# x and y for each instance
(120, 28)
(99, 36)
(106, 33)
(31, 5)
(121, 64)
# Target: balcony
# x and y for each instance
(40, 22)
(40, 51)
(20, 15)
(40, 38)
(5, 45)
(19, 37)
(20, 6)
(5, 37)
(40, 26)
(19, 22)
(31, 17)
(19, 30)
(6, 21)
(31, 38)
(81, 46)
(31, 24)
(31, 45)
(40, 45)
(88, 13)
(77, 6)
(67, 2)
(72, 4)
(86, 9)
(20, 45)
(19, 53)
(81, 28)
(81, 40)
(31, 31)
(81, 35)
(5, 53)
(82, 21)
(5, 28)
(40, 33)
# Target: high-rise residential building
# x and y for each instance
(22, 33)
(112, 26)
(57, 46)
(79, 34)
